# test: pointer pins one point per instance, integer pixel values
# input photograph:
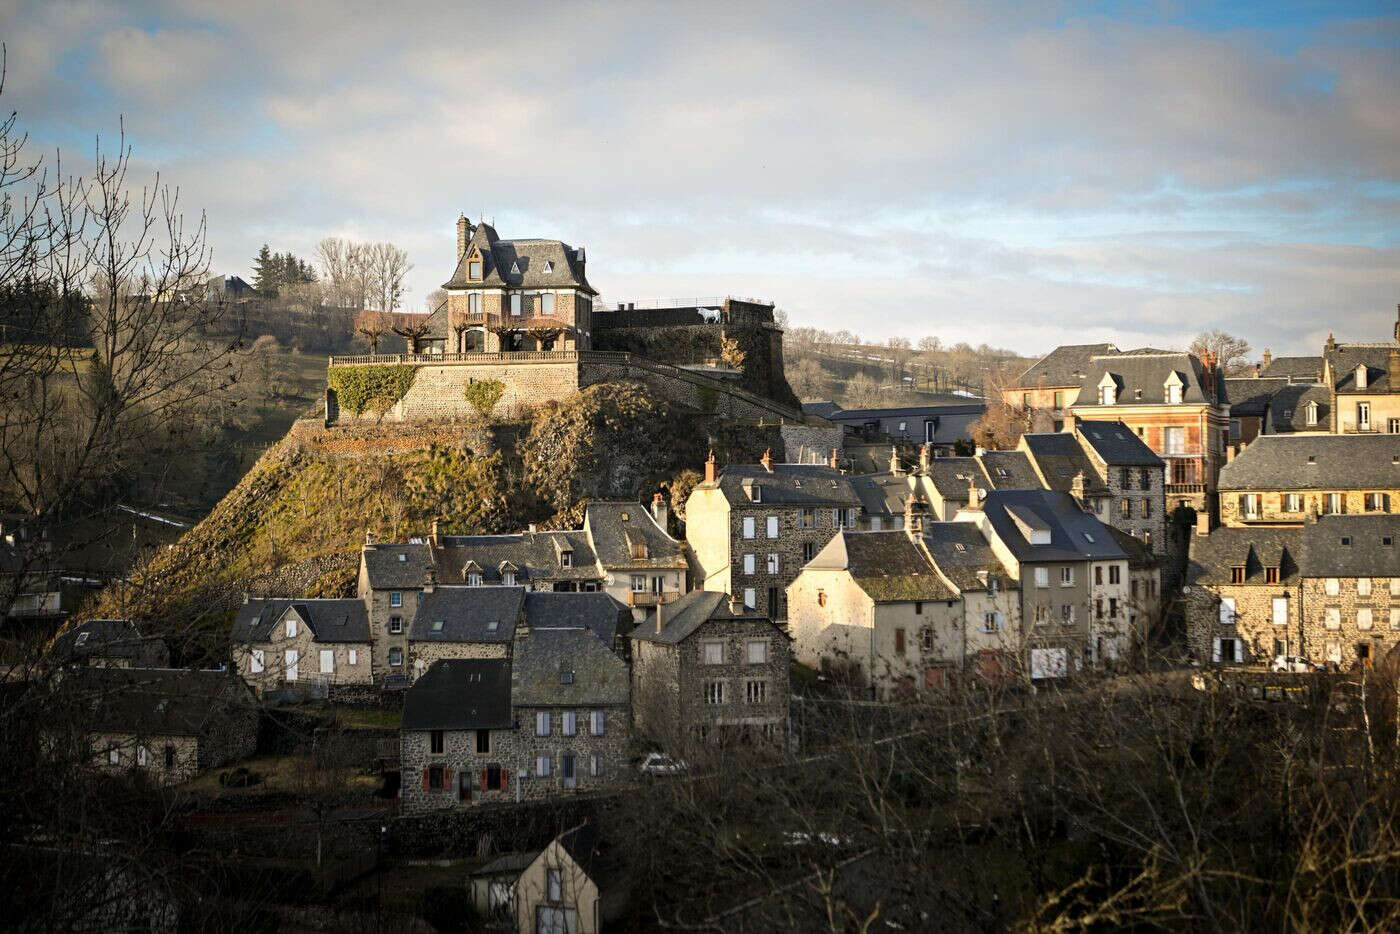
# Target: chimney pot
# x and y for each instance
(659, 511)
(894, 460)
(835, 461)
(1203, 522)
(434, 537)
(711, 474)
(767, 460)
(925, 454)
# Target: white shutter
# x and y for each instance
(748, 526)
(1280, 611)
(542, 723)
(257, 665)
(772, 526)
(748, 564)
(542, 766)
(327, 661)
(1215, 655)
(596, 722)
(1227, 611)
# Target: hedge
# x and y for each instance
(483, 394)
(359, 387)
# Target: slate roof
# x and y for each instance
(882, 494)
(950, 476)
(1352, 546)
(337, 620)
(460, 694)
(536, 556)
(1345, 358)
(597, 676)
(681, 619)
(1146, 373)
(788, 485)
(1116, 444)
(1294, 368)
(614, 527)
(1071, 529)
(1288, 408)
(1062, 366)
(1315, 462)
(1251, 396)
(965, 566)
(153, 701)
(1010, 470)
(889, 566)
(1212, 557)
(1138, 551)
(599, 611)
(521, 264)
(1060, 457)
(511, 864)
(465, 614)
(107, 638)
(907, 411)
(396, 567)
(822, 408)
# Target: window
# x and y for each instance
(1363, 416)
(1066, 577)
(257, 663)
(1334, 652)
(1249, 505)
(1125, 478)
(991, 622)
(395, 625)
(1098, 574)
(597, 723)
(435, 742)
(1377, 502)
(1271, 575)
(1332, 586)
(639, 583)
(748, 527)
(756, 692)
(1395, 586)
(483, 741)
(542, 766)
(474, 579)
(395, 657)
(918, 608)
(141, 756)
(772, 563)
(1364, 620)
(396, 598)
(327, 661)
(474, 269)
(1332, 504)
(1395, 617)
(1332, 617)
(1227, 611)
(809, 551)
(1174, 440)
(1115, 574)
(809, 518)
(714, 692)
(926, 639)
(1292, 502)
(772, 526)
(748, 564)
(547, 303)
(712, 653)
(758, 651)
(1392, 425)
(1042, 614)
(555, 885)
(570, 723)
(1363, 586)
(843, 518)
(750, 598)
(291, 629)
(1025, 400)
(542, 723)
(899, 641)
(474, 303)
(1125, 508)
(435, 778)
(821, 598)
(169, 757)
(1059, 398)
(1067, 613)
(508, 578)
(566, 676)
(1309, 414)
(515, 304)
(1042, 577)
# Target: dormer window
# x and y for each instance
(437, 625)
(508, 578)
(1173, 387)
(566, 558)
(1108, 390)
(515, 268)
(402, 558)
(82, 637)
(493, 625)
(1309, 413)
(473, 578)
(757, 493)
(474, 266)
(549, 265)
(1361, 376)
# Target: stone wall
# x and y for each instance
(186, 752)
(1313, 503)
(459, 755)
(381, 611)
(610, 748)
(812, 442)
(421, 655)
(700, 718)
(1251, 623)
(1335, 636)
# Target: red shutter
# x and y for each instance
(446, 779)
(425, 779)
(483, 779)
(505, 779)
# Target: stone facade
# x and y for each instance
(458, 775)
(598, 760)
(1234, 623)
(388, 625)
(168, 760)
(1344, 624)
(1242, 507)
(263, 665)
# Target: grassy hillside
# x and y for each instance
(293, 525)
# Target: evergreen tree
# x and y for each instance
(263, 271)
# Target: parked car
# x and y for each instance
(658, 763)
(1291, 663)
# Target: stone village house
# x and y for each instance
(279, 643)
(706, 669)
(108, 643)
(552, 718)
(564, 887)
(1281, 479)
(167, 725)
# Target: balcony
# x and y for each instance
(647, 598)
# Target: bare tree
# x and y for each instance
(1231, 353)
(388, 266)
(412, 328)
(372, 325)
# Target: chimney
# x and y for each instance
(1230, 451)
(245, 598)
(1203, 522)
(913, 518)
(659, 624)
(835, 462)
(369, 537)
(1076, 486)
(925, 453)
(659, 511)
(1268, 358)
(433, 537)
(767, 460)
(974, 499)
(1331, 342)
(710, 473)
(1393, 366)
(464, 232)
(429, 579)
(736, 606)
(894, 460)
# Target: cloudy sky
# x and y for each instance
(1023, 175)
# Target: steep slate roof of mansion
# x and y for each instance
(1353, 546)
(682, 618)
(1117, 445)
(1064, 366)
(1343, 360)
(1289, 408)
(1214, 556)
(1293, 369)
(889, 566)
(1061, 460)
(459, 613)
(520, 264)
(1343, 546)
(1141, 378)
(964, 556)
(1315, 462)
(333, 620)
(786, 484)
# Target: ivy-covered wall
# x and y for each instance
(376, 388)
